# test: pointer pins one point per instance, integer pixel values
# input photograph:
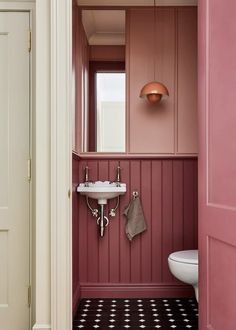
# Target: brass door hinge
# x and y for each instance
(29, 169)
(29, 41)
(29, 295)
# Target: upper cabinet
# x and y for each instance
(169, 127)
(112, 66)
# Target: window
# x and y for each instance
(107, 107)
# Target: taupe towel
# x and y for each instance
(135, 218)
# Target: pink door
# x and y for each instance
(217, 164)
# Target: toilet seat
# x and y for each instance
(187, 257)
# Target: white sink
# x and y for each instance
(101, 190)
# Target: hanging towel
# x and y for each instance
(136, 223)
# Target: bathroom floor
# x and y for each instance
(171, 313)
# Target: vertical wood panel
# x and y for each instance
(156, 221)
(168, 190)
(92, 245)
(125, 247)
(135, 262)
(146, 238)
(167, 213)
(188, 205)
(83, 232)
(75, 225)
(178, 205)
(195, 200)
(114, 233)
(103, 174)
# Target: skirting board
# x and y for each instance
(76, 298)
(41, 327)
(107, 290)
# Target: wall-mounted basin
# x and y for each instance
(102, 190)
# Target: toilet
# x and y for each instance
(184, 266)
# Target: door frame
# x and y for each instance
(53, 166)
(28, 7)
(61, 164)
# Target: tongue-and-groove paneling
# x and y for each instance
(113, 266)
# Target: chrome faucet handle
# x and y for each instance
(118, 175)
(86, 174)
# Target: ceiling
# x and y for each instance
(104, 27)
(107, 27)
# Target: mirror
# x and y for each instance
(104, 81)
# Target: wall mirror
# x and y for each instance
(104, 81)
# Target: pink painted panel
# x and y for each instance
(114, 262)
(155, 122)
(187, 80)
(219, 254)
(221, 131)
(217, 163)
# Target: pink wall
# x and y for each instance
(80, 69)
(170, 127)
(112, 266)
(107, 53)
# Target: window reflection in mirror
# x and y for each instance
(104, 114)
(110, 110)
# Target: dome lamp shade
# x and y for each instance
(154, 91)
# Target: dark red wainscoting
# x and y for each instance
(112, 266)
(75, 235)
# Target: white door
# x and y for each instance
(14, 184)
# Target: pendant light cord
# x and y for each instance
(154, 37)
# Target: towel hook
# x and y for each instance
(135, 194)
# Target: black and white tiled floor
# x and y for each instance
(131, 314)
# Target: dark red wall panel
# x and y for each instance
(75, 237)
(113, 266)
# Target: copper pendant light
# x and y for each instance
(154, 91)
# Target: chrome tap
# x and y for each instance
(86, 176)
(118, 176)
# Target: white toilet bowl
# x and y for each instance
(184, 266)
